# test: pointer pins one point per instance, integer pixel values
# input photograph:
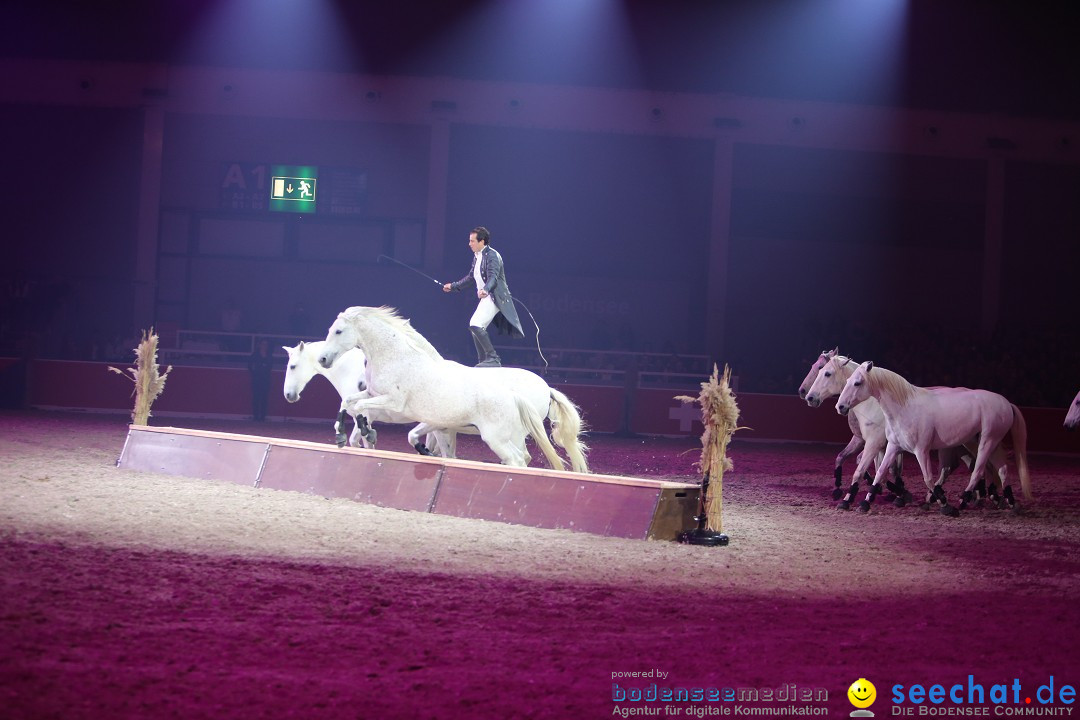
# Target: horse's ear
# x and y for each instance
(286, 348)
(846, 360)
(300, 347)
(869, 365)
(834, 351)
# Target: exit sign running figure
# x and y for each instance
(292, 188)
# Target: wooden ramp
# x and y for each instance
(599, 504)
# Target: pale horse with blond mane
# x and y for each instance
(405, 374)
(918, 420)
(830, 381)
(1072, 419)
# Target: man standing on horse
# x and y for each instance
(496, 304)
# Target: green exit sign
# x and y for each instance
(293, 188)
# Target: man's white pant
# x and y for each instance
(486, 311)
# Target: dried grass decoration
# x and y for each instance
(720, 416)
(148, 383)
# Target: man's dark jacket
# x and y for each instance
(494, 277)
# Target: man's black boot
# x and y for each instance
(485, 352)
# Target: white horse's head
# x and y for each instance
(1073, 418)
(815, 368)
(830, 380)
(342, 336)
(856, 389)
(301, 368)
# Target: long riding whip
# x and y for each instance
(425, 275)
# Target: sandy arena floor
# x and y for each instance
(137, 595)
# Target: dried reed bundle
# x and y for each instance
(720, 416)
(148, 383)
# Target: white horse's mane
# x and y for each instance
(843, 365)
(389, 317)
(894, 384)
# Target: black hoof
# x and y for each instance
(864, 506)
(925, 506)
(837, 494)
(341, 439)
(372, 437)
(949, 511)
(845, 505)
(422, 449)
(900, 502)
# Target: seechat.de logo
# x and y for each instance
(862, 694)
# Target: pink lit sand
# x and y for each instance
(136, 595)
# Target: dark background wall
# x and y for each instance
(607, 235)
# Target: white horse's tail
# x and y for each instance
(534, 425)
(566, 429)
(1019, 438)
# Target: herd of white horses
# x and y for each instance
(385, 371)
(889, 416)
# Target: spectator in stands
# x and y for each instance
(260, 365)
(299, 322)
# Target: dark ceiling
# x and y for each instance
(986, 56)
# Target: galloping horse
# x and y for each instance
(347, 375)
(406, 375)
(1072, 419)
(918, 420)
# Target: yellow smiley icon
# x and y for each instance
(862, 693)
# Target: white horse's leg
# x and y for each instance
(854, 445)
(445, 441)
(361, 403)
(997, 466)
(891, 451)
(363, 433)
(948, 460)
(989, 451)
(415, 435)
(861, 470)
(448, 440)
(504, 442)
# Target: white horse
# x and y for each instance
(918, 420)
(865, 420)
(1072, 419)
(348, 377)
(406, 375)
(829, 382)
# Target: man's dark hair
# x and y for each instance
(482, 234)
